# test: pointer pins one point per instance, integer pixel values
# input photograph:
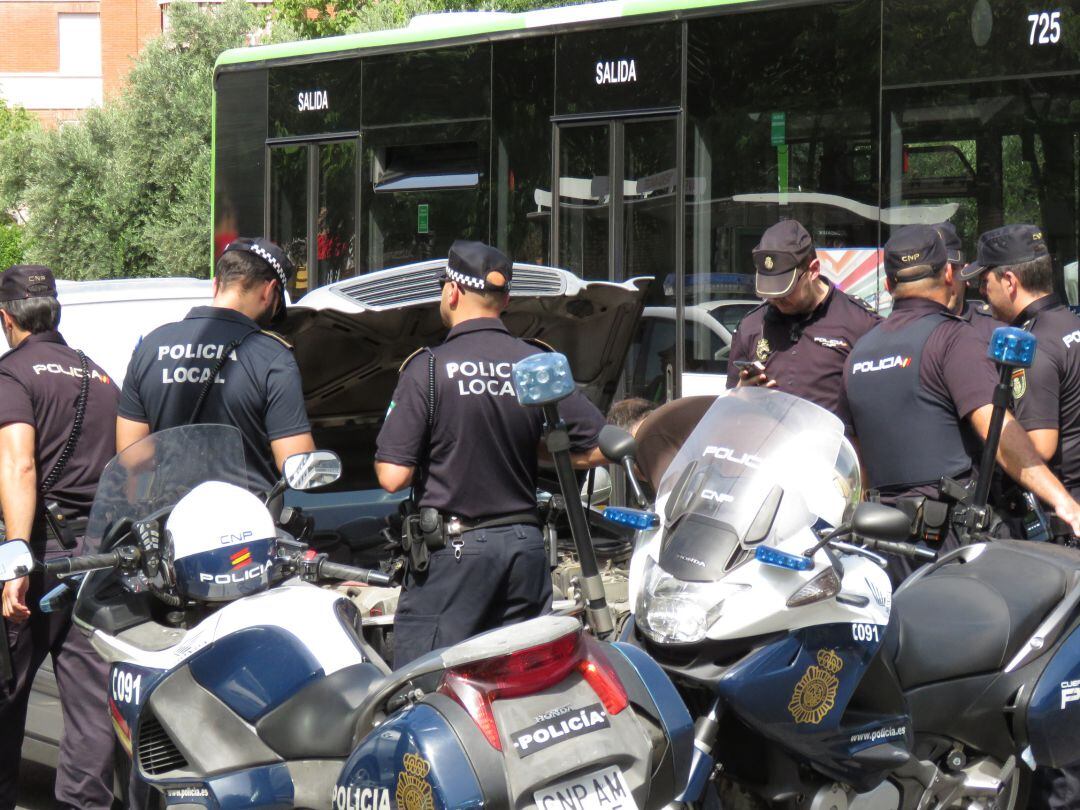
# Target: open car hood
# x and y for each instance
(350, 338)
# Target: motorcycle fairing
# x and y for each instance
(666, 706)
(414, 759)
(798, 690)
(254, 670)
(271, 785)
(129, 687)
(1053, 715)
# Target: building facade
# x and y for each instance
(58, 58)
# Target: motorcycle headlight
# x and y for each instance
(671, 610)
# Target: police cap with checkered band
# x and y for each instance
(476, 266)
(273, 257)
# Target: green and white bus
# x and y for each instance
(644, 137)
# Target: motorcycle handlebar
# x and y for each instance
(65, 566)
(346, 573)
(903, 549)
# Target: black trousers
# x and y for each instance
(501, 577)
(84, 773)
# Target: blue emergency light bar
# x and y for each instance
(639, 519)
(542, 379)
(781, 559)
(1012, 347)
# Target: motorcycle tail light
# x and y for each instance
(476, 686)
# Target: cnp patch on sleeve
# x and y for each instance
(1019, 383)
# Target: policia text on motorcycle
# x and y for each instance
(57, 409)
(219, 364)
(800, 337)
(923, 373)
(456, 433)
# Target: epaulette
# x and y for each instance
(984, 309)
(538, 343)
(863, 303)
(277, 337)
(408, 359)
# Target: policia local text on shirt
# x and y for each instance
(57, 409)
(457, 433)
(220, 365)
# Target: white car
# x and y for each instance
(710, 327)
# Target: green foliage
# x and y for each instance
(11, 245)
(126, 192)
(308, 19)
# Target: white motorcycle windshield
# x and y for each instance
(765, 464)
(157, 471)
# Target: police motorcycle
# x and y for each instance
(759, 586)
(236, 682)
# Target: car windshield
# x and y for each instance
(159, 470)
(729, 315)
(765, 465)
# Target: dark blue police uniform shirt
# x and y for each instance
(40, 381)
(1047, 395)
(804, 353)
(482, 454)
(258, 390)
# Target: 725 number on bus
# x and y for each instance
(1045, 27)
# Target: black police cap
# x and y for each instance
(914, 252)
(27, 281)
(1011, 244)
(953, 247)
(273, 256)
(783, 248)
(477, 266)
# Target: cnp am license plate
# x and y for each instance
(600, 790)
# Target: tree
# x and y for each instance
(126, 192)
(17, 127)
(307, 19)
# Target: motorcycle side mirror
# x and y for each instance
(881, 522)
(16, 560)
(318, 468)
(617, 444)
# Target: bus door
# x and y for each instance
(312, 208)
(617, 185)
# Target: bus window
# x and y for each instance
(782, 123)
(995, 152)
(289, 209)
(336, 223)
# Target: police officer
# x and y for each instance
(50, 462)
(977, 313)
(918, 380)
(1015, 273)
(456, 432)
(221, 365)
(805, 329)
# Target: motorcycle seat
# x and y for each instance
(973, 612)
(318, 722)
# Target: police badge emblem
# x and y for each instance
(762, 350)
(1019, 383)
(413, 789)
(769, 263)
(815, 693)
